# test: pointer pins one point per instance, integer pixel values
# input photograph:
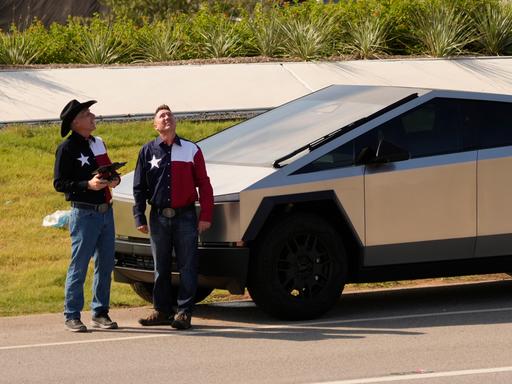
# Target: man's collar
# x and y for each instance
(79, 137)
(177, 140)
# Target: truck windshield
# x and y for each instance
(274, 134)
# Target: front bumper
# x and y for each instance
(220, 266)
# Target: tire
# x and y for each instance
(201, 293)
(298, 268)
(145, 292)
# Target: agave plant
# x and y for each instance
(267, 36)
(16, 48)
(162, 43)
(366, 37)
(100, 46)
(441, 29)
(307, 38)
(494, 28)
(219, 40)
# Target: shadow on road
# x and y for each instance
(475, 303)
(285, 332)
(402, 312)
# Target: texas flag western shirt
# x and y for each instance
(169, 177)
(76, 159)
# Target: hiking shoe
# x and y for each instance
(182, 321)
(103, 322)
(75, 325)
(156, 318)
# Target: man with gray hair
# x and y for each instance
(91, 221)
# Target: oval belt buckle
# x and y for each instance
(168, 212)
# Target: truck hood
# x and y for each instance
(225, 179)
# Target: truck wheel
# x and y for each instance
(145, 291)
(201, 293)
(298, 268)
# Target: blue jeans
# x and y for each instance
(92, 235)
(178, 233)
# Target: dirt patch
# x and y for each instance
(427, 282)
(222, 60)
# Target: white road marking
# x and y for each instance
(419, 376)
(415, 316)
(110, 339)
(257, 328)
(83, 341)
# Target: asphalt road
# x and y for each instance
(447, 334)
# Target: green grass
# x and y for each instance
(33, 258)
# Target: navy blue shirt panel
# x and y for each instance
(70, 175)
(152, 178)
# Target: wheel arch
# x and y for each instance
(323, 203)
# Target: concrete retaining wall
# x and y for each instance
(40, 94)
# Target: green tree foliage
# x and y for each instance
(140, 10)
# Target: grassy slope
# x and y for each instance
(34, 259)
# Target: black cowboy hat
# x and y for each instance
(69, 113)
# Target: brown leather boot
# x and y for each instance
(157, 318)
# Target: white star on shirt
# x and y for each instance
(154, 162)
(83, 159)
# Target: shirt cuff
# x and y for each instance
(205, 217)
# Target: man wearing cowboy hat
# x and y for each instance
(91, 221)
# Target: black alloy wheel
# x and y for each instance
(298, 268)
(304, 265)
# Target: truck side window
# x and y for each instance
(434, 128)
(491, 120)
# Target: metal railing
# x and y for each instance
(195, 116)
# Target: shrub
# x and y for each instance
(57, 42)
(152, 30)
(308, 37)
(159, 41)
(266, 33)
(441, 29)
(367, 37)
(103, 41)
(493, 25)
(215, 36)
(17, 48)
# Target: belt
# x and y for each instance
(172, 212)
(101, 208)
